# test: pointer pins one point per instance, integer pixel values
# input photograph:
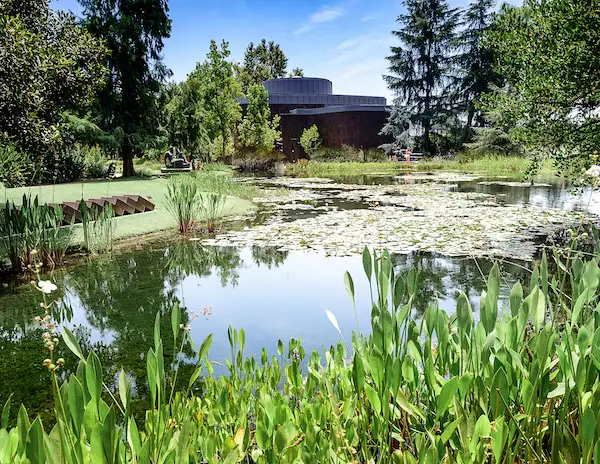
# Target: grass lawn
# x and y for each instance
(126, 226)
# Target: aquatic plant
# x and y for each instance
(33, 226)
(98, 227)
(517, 385)
(183, 201)
(212, 210)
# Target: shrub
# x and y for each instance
(15, 167)
(348, 154)
(437, 388)
(61, 167)
(310, 140)
(95, 161)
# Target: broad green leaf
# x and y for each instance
(445, 397)
(204, 347)
(175, 321)
(72, 343)
(333, 321)
(516, 295)
(373, 398)
(349, 285)
(367, 263)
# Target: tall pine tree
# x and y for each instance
(134, 31)
(475, 63)
(421, 65)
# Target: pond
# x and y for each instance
(272, 292)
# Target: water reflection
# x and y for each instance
(111, 303)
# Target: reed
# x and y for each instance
(33, 228)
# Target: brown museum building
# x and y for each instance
(341, 119)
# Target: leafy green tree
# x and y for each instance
(220, 92)
(310, 140)
(549, 52)
(296, 72)
(257, 130)
(421, 65)
(261, 62)
(476, 63)
(398, 128)
(184, 117)
(134, 31)
(48, 65)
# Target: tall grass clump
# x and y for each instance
(212, 210)
(98, 227)
(33, 226)
(183, 201)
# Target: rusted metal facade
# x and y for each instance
(352, 120)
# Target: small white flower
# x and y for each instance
(46, 286)
(594, 171)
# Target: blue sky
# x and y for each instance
(345, 41)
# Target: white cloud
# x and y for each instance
(370, 17)
(323, 15)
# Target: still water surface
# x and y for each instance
(110, 302)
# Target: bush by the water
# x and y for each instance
(15, 167)
(348, 154)
(519, 384)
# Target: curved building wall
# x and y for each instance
(299, 85)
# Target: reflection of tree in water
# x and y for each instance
(22, 352)
(269, 256)
(187, 259)
(443, 277)
(120, 296)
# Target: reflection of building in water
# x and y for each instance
(353, 120)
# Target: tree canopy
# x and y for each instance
(421, 66)
(549, 51)
(48, 66)
(261, 62)
(258, 130)
(219, 92)
(134, 31)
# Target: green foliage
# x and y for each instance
(515, 386)
(261, 62)
(219, 92)
(66, 165)
(548, 51)
(341, 169)
(296, 72)
(183, 201)
(15, 167)
(421, 65)
(193, 197)
(48, 65)
(475, 63)
(257, 131)
(95, 162)
(98, 227)
(185, 117)
(348, 154)
(310, 140)
(134, 32)
(33, 232)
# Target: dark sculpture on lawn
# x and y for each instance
(175, 159)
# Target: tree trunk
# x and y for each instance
(127, 154)
(224, 153)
